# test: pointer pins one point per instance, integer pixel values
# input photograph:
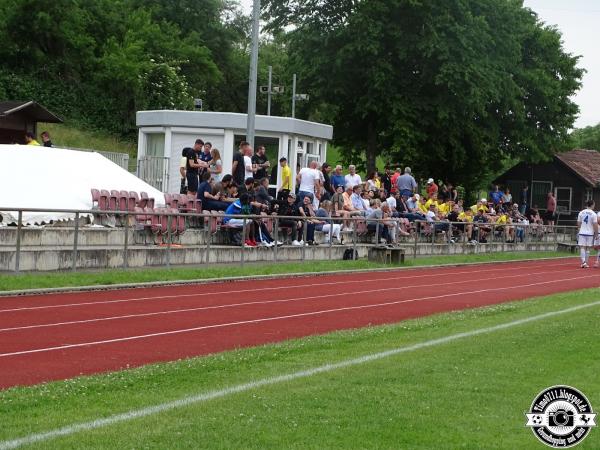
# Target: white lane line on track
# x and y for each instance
(289, 316)
(265, 302)
(215, 394)
(276, 288)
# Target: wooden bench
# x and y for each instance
(386, 255)
(567, 247)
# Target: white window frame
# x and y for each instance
(570, 189)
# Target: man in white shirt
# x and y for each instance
(308, 181)
(587, 220)
(352, 178)
(248, 168)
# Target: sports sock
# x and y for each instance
(582, 252)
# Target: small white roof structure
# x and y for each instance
(55, 178)
(228, 120)
(164, 133)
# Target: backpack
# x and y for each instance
(350, 254)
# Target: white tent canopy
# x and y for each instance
(55, 178)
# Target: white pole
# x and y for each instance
(294, 96)
(252, 79)
(269, 94)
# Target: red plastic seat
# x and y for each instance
(113, 200)
(95, 198)
(104, 200)
(123, 200)
(148, 201)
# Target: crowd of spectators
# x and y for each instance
(390, 205)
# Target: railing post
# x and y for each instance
(276, 238)
(417, 236)
(208, 226)
(243, 241)
(75, 242)
(126, 240)
(354, 238)
(432, 238)
(18, 253)
(330, 236)
(168, 240)
(304, 231)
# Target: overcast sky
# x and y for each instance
(579, 23)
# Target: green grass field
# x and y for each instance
(471, 392)
(110, 277)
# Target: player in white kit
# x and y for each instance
(588, 231)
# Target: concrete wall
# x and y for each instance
(50, 249)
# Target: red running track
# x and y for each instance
(58, 336)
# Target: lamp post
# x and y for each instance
(296, 96)
(252, 79)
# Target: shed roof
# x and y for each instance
(585, 163)
(33, 110)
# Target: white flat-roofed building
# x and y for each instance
(163, 134)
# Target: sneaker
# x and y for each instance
(254, 244)
(596, 264)
(296, 243)
(585, 266)
(249, 243)
(279, 243)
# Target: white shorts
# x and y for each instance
(585, 240)
(237, 223)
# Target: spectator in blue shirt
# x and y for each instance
(337, 179)
(496, 195)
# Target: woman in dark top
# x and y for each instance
(307, 210)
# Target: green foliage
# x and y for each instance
(97, 63)
(450, 87)
(588, 137)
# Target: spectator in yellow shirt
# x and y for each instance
(286, 180)
(481, 204)
(503, 225)
(30, 139)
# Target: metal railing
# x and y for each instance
(154, 170)
(423, 237)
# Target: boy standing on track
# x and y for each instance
(588, 231)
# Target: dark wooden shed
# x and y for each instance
(573, 176)
(16, 118)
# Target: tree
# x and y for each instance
(588, 137)
(451, 87)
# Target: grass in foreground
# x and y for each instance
(470, 393)
(110, 277)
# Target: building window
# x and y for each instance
(589, 194)
(155, 144)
